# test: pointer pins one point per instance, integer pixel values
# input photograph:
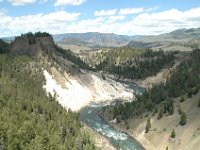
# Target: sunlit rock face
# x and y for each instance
(86, 89)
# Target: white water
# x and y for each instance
(76, 95)
(118, 139)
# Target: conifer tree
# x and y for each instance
(183, 119)
(173, 134)
(148, 125)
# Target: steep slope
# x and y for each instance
(32, 44)
(29, 118)
(172, 105)
(77, 91)
(132, 63)
(42, 66)
(66, 75)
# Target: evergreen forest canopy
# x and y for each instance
(143, 64)
(159, 99)
(29, 119)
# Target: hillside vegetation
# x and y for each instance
(29, 118)
(134, 63)
(159, 99)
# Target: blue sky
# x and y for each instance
(129, 17)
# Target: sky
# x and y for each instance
(124, 17)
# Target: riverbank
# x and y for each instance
(142, 142)
(158, 138)
(138, 136)
(120, 140)
(100, 141)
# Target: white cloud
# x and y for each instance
(105, 12)
(144, 23)
(127, 11)
(63, 22)
(21, 2)
(60, 16)
(68, 2)
(112, 19)
(162, 22)
(52, 22)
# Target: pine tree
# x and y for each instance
(148, 125)
(173, 134)
(183, 119)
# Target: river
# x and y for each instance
(117, 138)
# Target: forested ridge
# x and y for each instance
(29, 119)
(184, 81)
(145, 63)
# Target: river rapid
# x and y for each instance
(117, 138)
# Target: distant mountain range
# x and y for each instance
(96, 40)
(178, 40)
(174, 36)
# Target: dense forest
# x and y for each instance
(145, 64)
(29, 119)
(185, 80)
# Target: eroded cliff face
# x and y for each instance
(73, 86)
(31, 46)
(76, 92)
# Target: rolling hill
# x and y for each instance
(181, 39)
(94, 39)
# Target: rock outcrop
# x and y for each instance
(32, 44)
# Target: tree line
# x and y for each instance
(185, 80)
(146, 64)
